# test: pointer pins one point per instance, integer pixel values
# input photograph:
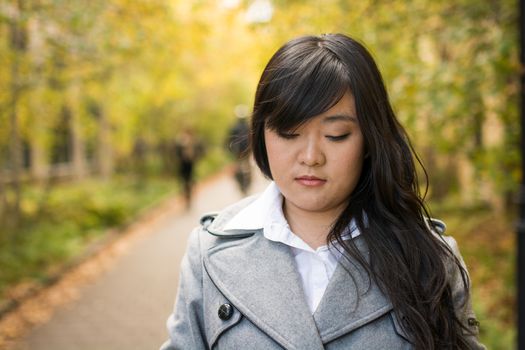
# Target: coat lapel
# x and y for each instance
(260, 279)
(351, 300)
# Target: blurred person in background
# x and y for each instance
(188, 150)
(339, 252)
(238, 145)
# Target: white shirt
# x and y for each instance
(315, 267)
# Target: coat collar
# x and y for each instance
(259, 277)
(351, 299)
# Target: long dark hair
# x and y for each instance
(306, 77)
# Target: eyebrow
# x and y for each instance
(340, 117)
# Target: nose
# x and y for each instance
(312, 153)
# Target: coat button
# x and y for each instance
(473, 322)
(225, 312)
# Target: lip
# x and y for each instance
(310, 181)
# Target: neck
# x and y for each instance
(311, 227)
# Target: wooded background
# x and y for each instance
(98, 89)
(83, 81)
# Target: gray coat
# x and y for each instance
(254, 283)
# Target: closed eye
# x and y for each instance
(338, 137)
(287, 136)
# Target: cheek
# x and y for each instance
(276, 151)
(351, 167)
(276, 158)
(353, 162)
(273, 155)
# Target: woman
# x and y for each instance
(338, 252)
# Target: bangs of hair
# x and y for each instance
(302, 86)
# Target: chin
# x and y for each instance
(314, 207)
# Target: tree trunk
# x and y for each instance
(38, 152)
(79, 166)
(15, 148)
(18, 45)
(38, 160)
(104, 149)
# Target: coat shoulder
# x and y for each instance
(211, 225)
(215, 222)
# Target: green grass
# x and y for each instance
(75, 215)
(487, 243)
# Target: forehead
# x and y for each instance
(346, 104)
(343, 111)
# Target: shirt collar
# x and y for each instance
(255, 214)
(266, 213)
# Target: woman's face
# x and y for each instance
(317, 166)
